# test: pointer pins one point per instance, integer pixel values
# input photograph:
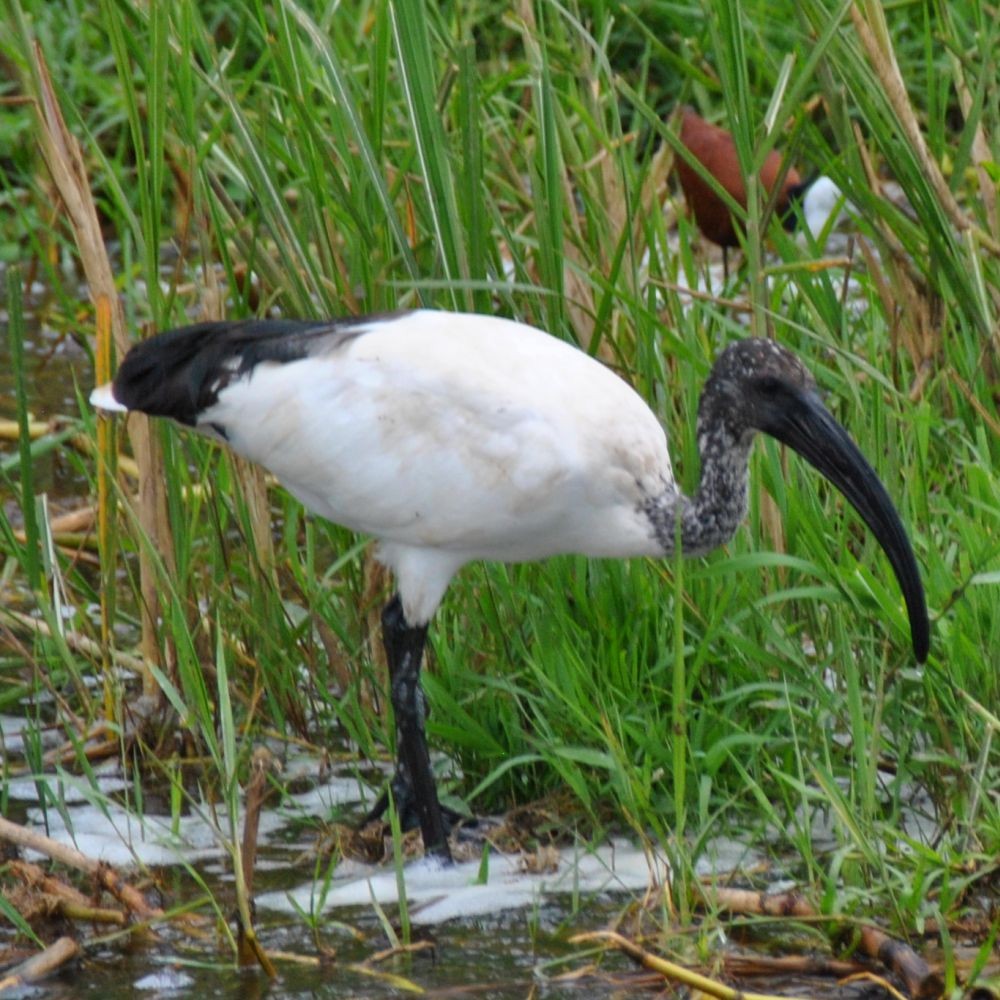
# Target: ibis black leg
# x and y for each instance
(413, 785)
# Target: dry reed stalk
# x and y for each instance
(65, 163)
(103, 874)
(106, 538)
(695, 981)
(920, 980)
(38, 966)
(873, 31)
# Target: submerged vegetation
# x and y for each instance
(313, 159)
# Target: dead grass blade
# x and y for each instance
(671, 970)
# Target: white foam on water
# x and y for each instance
(88, 819)
(12, 727)
(103, 829)
(436, 893)
(165, 981)
(66, 788)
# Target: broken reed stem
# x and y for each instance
(248, 946)
(261, 765)
(103, 874)
(56, 954)
(745, 966)
(920, 981)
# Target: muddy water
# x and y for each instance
(496, 959)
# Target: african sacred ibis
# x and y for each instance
(452, 438)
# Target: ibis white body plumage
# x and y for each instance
(452, 437)
(450, 443)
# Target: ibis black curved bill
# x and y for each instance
(809, 428)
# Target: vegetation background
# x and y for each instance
(317, 159)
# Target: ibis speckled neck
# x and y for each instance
(710, 517)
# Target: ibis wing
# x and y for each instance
(180, 373)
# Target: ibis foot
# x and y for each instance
(406, 809)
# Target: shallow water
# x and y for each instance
(490, 961)
(496, 929)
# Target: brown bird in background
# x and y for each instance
(715, 149)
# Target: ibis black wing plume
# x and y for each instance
(179, 373)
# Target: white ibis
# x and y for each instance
(451, 438)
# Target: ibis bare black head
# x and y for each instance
(752, 386)
(758, 385)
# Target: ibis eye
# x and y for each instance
(769, 385)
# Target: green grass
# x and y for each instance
(379, 155)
